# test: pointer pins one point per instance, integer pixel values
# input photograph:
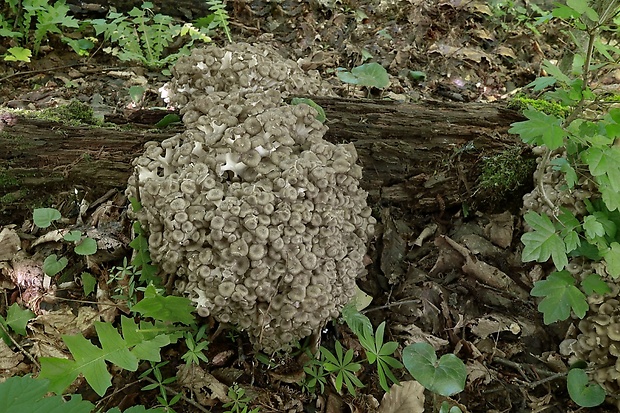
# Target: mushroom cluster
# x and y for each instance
(598, 340)
(262, 220)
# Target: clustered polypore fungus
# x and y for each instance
(260, 218)
(598, 340)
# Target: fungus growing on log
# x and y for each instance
(262, 220)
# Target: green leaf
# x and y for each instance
(27, 395)
(581, 391)
(593, 283)
(592, 227)
(73, 236)
(543, 242)
(89, 282)
(136, 93)
(88, 246)
(90, 360)
(540, 129)
(542, 82)
(17, 318)
(18, 54)
(43, 217)
(581, 7)
(52, 265)
(173, 309)
(368, 75)
(562, 164)
(561, 296)
(357, 322)
(167, 120)
(612, 259)
(417, 75)
(445, 377)
(555, 71)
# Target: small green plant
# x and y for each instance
(196, 344)
(238, 401)
(145, 37)
(52, 265)
(161, 383)
(316, 376)
(381, 353)
(16, 321)
(343, 367)
(26, 394)
(46, 18)
(218, 19)
(368, 75)
(445, 376)
(139, 341)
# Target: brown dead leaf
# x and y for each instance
(500, 229)
(198, 380)
(416, 335)
(8, 358)
(9, 243)
(408, 397)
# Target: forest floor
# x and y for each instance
(468, 52)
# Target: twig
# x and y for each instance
(531, 384)
(394, 304)
(51, 69)
(21, 349)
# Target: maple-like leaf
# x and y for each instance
(561, 296)
(91, 360)
(543, 242)
(540, 129)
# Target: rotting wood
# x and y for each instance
(422, 157)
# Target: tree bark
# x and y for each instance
(423, 157)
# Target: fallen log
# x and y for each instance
(422, 157)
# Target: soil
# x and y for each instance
(452, 277)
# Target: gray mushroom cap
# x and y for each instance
(262, 220)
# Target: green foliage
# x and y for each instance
(561, 295)
(16, 320)
(144, 37)
(43, 217)
(196, 344)
(238, 401)
(368, 75)
(25, 394)
(521, 103)
(142, 260)
(161, 384)
(89, 282)
(46, 18)
(586, 137)
(582, 392)
(172, 309)
(170, 118)
(18, 54)
(316, 376)
(381, 353)
(52, 265)
(343, 367)
(218, 19)
(445, 376)
(138, 342)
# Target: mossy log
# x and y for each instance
(423, 157)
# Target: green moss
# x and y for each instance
(521, 103)
(75, 113)
(505, 172)
(11, 197)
